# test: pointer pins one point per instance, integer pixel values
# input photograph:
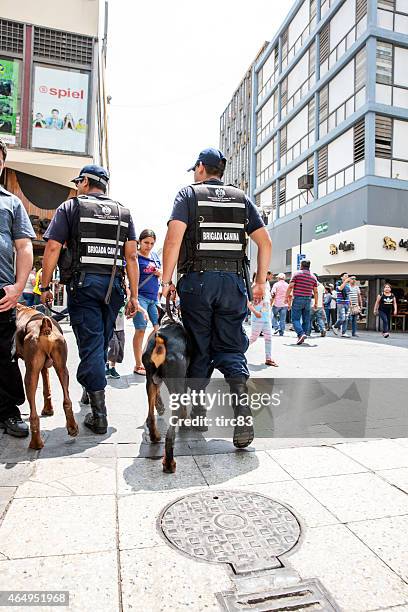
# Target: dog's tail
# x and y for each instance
(46, 327)
(159, 351)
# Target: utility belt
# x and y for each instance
(216, 265)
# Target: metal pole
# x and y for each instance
(300, 234)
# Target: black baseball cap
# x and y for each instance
(96, 173)
(211, 157)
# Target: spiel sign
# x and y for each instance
(60, 110)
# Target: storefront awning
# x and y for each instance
(52, 167)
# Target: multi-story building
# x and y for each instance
(330, 143)
(52, 101)
(235, 131)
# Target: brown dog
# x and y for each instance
(41, 344)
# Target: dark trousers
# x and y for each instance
(213, 307)
(11, 383)
(385, 317)
(93, 323)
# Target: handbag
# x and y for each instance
(355, 309)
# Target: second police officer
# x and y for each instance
(100, 237)
(206, 238)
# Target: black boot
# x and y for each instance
(84, 399)
(96, 420)
(244, 429)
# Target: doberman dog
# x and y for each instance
(41, 344)
(166, 359)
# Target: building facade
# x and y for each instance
(329, 163)
(52, 100)
(235, 131)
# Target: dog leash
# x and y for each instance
(170, 311)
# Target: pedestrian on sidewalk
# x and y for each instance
(385, 306)
(343, 305)
(318, 317)
(279, 304)
(327, 300)
(149, 282)
(206, 238)
(261, 323)
(333, 307)
(16, 235)
(100, 236)
(303, 285)
(116, 349)
(28, 293)
(356, 304)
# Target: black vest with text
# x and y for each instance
(218, 228)
(97, 234)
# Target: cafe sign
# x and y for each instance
(343, 246)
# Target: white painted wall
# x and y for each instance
(400, 139)
(340, 152)
(80, 16)
(298, 74)
(342, 22)
(292, 180)
(297, 127)
(267, 69)
(341, 87)
(401, 66)
(298, 23)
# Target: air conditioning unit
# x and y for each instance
(305, 181)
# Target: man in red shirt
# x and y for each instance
(303, 286)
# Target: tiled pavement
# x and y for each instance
(81, 515)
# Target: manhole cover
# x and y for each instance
(247, 530)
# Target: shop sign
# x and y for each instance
(403, 244)
(300, 257)
(389, 243)
(9, 121)
(321, 228)
(60, 110)
(343, 246)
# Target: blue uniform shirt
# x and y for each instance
(14, 225)
(67, 217)
(185, 202)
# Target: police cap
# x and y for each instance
(211, 157)
(96, 173)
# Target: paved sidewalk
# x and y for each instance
(81, 515)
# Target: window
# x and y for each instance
(312, 58)
(288, 260)
(322, 164)
(324, 103)
(274, 194)
(359, 141)
(283, 141)
(360, 70)
(384, 63)
(282, 191)
(284, 92)
(325, 43)
(311, 115)
(361, 9)
(284, 45)
(383, 137)
(11, 36)
(388, 5)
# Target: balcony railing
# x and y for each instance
(343, 46)
(326, 4)
(298, 44)
(297, 149)
(268, 85)
(263, 132)
(266, 174)
(395, 168)
(342, 112)
(394, 95)
(341, 178)
(298, 95)
(292, 205)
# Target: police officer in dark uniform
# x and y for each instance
(100, 236)
(206, 238)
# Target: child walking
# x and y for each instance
(261, 323)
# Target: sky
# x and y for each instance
(172, 70)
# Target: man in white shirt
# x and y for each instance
(355, 304)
